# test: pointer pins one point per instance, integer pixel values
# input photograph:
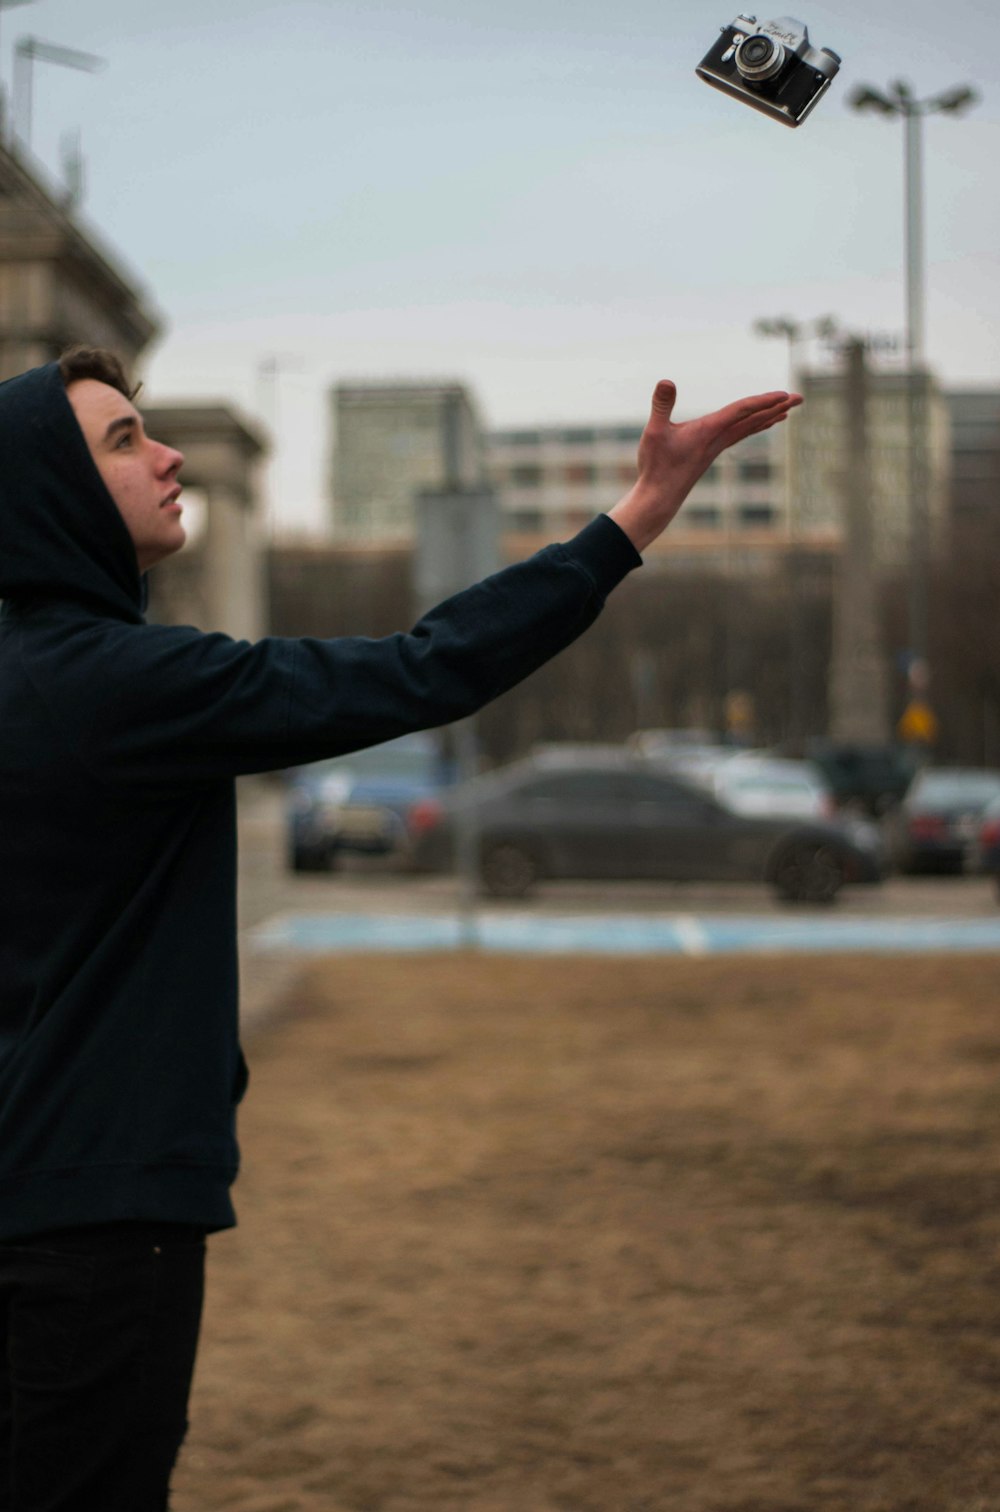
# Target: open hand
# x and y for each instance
(673, 456)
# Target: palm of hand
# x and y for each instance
(673, 455)
(682, 450)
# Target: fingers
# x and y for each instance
(664, 399)
(761, 421)
(747, 416)
(755, 404)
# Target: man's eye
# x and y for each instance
(125, 440)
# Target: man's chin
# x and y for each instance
(164, 549)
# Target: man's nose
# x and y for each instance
(171, 460)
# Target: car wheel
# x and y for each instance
(507, 870)
(809, 873)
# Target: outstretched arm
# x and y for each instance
(672, 456)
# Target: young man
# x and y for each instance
(120, 1065)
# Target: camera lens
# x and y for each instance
(757, 51)
(759, 57)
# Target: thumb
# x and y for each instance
(664, 398)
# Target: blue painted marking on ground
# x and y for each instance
(321, 934)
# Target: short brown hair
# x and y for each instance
(96, 362)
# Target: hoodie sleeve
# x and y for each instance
(161, 704)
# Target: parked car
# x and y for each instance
(657, 742)
(771, 785)
(627, 819)
(988, 842)
(938, 825)
(360, 802)
(693, 754)
(872, 778)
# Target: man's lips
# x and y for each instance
(170, 502)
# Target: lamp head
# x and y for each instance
(956, 100)
(781, 325)
(864, 97)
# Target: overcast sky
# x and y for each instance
(540, 199)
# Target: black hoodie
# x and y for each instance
(120, 1066)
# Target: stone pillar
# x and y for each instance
(859, 706)
(218, 583)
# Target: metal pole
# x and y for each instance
(912, 120)
(858, 706)
(901, 101)
(467, 835)
(6, 5)
(30, 48)
(796, 726)
(916, 408)
(22, 95)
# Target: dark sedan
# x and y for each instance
(938, 822)
(536, 821)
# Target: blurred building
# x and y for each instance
(822, 443)
(391, 440)
(57, 285)
(551, 480)
(975, 455)
(58, 288)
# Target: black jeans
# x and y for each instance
(98, 1334)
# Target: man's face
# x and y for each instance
(140, 474)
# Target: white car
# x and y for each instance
(773, 786)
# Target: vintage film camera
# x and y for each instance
(771, 67)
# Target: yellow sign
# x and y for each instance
(919, 723)
(739, 712)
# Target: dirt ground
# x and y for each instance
(592, 1235)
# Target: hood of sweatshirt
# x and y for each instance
(61, 535)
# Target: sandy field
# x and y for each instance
(592, 1235)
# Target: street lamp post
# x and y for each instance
(6, 5)
(30, 49)
(901, 101)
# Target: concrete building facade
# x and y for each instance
(60, 288)
(391, 440)
(975, 455)
(551, 480)
(822, 445)
(57, 286)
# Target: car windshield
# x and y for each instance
(956, 787)
(789, 787)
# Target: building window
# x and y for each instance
(702, 517)
(578, 437)
(524, 519)
(626, 433)
(755, 472)
(581, 472)
(526, 475)
(756, 514)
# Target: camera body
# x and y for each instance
(770, 67)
